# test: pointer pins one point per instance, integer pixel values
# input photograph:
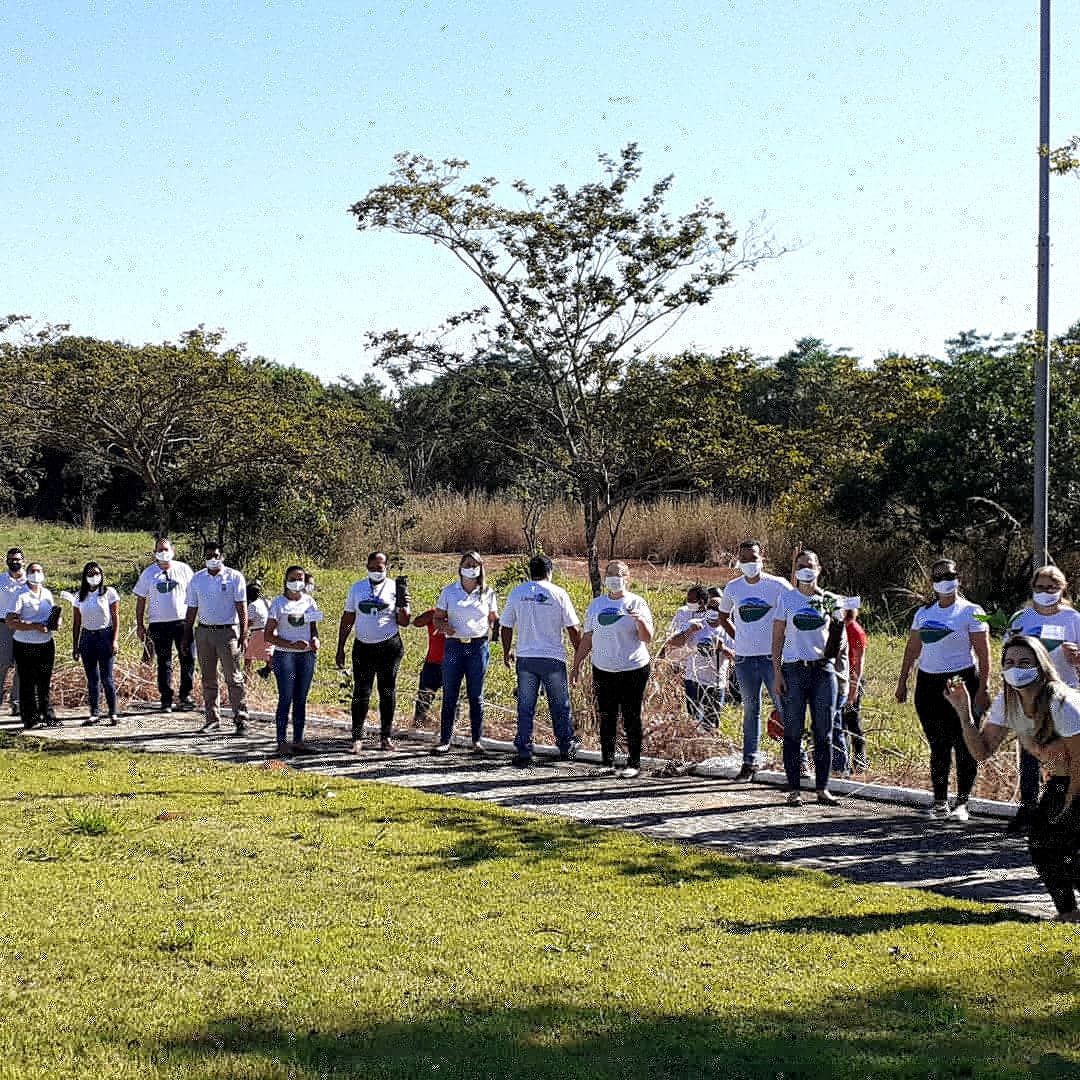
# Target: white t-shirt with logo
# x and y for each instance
(216, 596)
(257, 612)
(35, 609)
(165, 591)
(806, 619)
(753, 611)
(1064, 625)
(615, 642)
(703, 661)
(1064, 711)
(373, 604)
(540, 611)
(468, 611)
(944, 633)
(95, 608)
(293, 617)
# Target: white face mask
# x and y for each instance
(377, 575)
(615, 584)
(93, 580)
(750, 569)
(470, 572)
(807, 575)
(213, 564)
(296, 586)
(1046, 599)
(1017, 677)
(36, 577)
(164, 555)
(946, 588)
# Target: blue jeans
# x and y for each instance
(95, 650)
(531, 672)
(813, 686)
(704, 703)
(293, 672)
(839, 737)
(466, 660)
(752, 673)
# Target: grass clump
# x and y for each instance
(93, 820)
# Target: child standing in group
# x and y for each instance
(256, 647)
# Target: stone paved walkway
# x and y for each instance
(871, 842)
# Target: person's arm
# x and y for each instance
(980, 642)
(270, 633)
(644, 625)
(425, 618)
(684, 635)
(242, 615)
(189, 629)
(441, 620)
(114, 614)
(574, 634)
(1072, 747)
(584, 647)
(140, 616)
(506, 635)
(348, 620)
(76, 627)
(981, 742)
(779, 627)
(911, 653)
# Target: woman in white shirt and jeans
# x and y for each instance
(33, 620)
(95, 638)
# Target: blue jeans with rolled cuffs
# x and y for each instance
(752, 673)
(95, 651)
(293, 672)
(810, 686)
(466, 660)
(531, 672)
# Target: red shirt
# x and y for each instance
(436, 646)
(856, 640)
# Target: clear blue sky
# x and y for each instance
(171, 164)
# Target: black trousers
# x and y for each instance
(1055, 849)
(166, 637)
(941, 726)
(371, 662)
(620, 691)
(34, 663)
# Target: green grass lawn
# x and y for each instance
(170, 917)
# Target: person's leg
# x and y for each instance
(528, 688)
(387, 662)
(967, 767)
(631, 699)
(607, 708)
(1030, 777)
(161, 634)
(363, 666)
(852, 715)
(822, 686)
(305, 673)
(186, 663)
(106, 664)
(793, 706)
(28, 703)
(750, 671)
(928, 708)
(284, 664)
(840, 761)
(557, 687)
(206, 649)
(7, 665)
(476, 664)
(453, 671)
(430, 685)
(48, 659)
(692, 691)
(231, 652)
(1053, 847)
(88, 654)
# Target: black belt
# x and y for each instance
(217, 626)
(469, 640)
(805, 663)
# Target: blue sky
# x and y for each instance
(171, 164)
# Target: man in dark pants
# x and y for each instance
(160, 609)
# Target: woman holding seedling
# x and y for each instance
(618, 629)
(950, 641)
(1044, 714)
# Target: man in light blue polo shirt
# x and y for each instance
(540, 611)
(218, 595)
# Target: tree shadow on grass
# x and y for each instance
(914, 1029)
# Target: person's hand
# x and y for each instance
(956, 694)
(185, 645)
(313, 644)
(509, 657)
(75, 652)
(140, 632)
(781, 685)
(1071, 651)
(982, 700)
(116, 648)
(339, 659)
(901, 690)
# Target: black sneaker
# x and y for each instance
(747, 772)
(166, 706)
(187, 704)
(571, 752)
(240, 726)
(521, 762)
(210, 725)
(1021, 824)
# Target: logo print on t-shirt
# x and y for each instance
(610, 615)
(296, 620)
(808, 618)
(754, 608)
(1050, 644)
(372, 607)
(166, 585)
(932, 632)
(538, 597)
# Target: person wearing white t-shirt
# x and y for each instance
(95, 638)
(218, 596)
(950, 640)
(1051, 618)
(375, 610)
(697, 628)
(540, 611)
(160, 608)
(292, 631)
(12, 582)
(1044, 714)
(807, 627)
(33, 620)
(747, 609)
(465, 613)
(618, 629)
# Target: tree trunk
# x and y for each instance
(161, 509)
(590, 504)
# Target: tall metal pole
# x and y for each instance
(1040, 545)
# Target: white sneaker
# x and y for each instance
(939, 811)
(442, 748)
(960, 812)
(629, 772)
